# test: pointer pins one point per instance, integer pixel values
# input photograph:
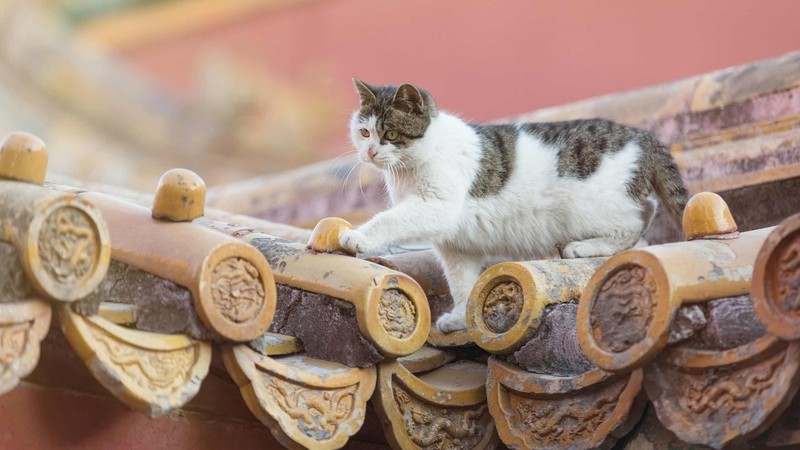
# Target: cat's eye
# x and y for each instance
(391, 135)
(365, 132)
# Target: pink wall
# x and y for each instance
(492, 59)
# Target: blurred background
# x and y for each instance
(122, 90)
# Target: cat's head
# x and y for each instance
(389, 123)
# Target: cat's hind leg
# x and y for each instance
(620, 237)
(462, 271)
(607, 245)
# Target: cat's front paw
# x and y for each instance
(356, 242)
(450, 322)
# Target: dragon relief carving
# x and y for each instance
(317, 412)
(237, 290)
(560, 423)
(153, 370)
(437, 427)
(623, 308)
(16, 357)
(503, 306)
(727, 389)
(397, 313)
(67, 245)
(788, 278)
(13, 340)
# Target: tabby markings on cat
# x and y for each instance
(489, 192)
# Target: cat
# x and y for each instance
(516, 191)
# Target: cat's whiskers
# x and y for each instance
(349, 173)
(402, 164)
(340, 162)
(398, 169)
(395, 171)
(360, 186)
(389, 173)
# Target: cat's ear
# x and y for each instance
(364, 91)
(408, 98)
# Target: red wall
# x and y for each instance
(491, 59)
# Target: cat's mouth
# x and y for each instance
(382, 162)
(377, 162)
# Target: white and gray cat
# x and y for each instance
(491, 192)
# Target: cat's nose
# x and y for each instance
(371, 153)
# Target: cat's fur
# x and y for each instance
(487, 192)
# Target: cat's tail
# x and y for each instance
(669, 186)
